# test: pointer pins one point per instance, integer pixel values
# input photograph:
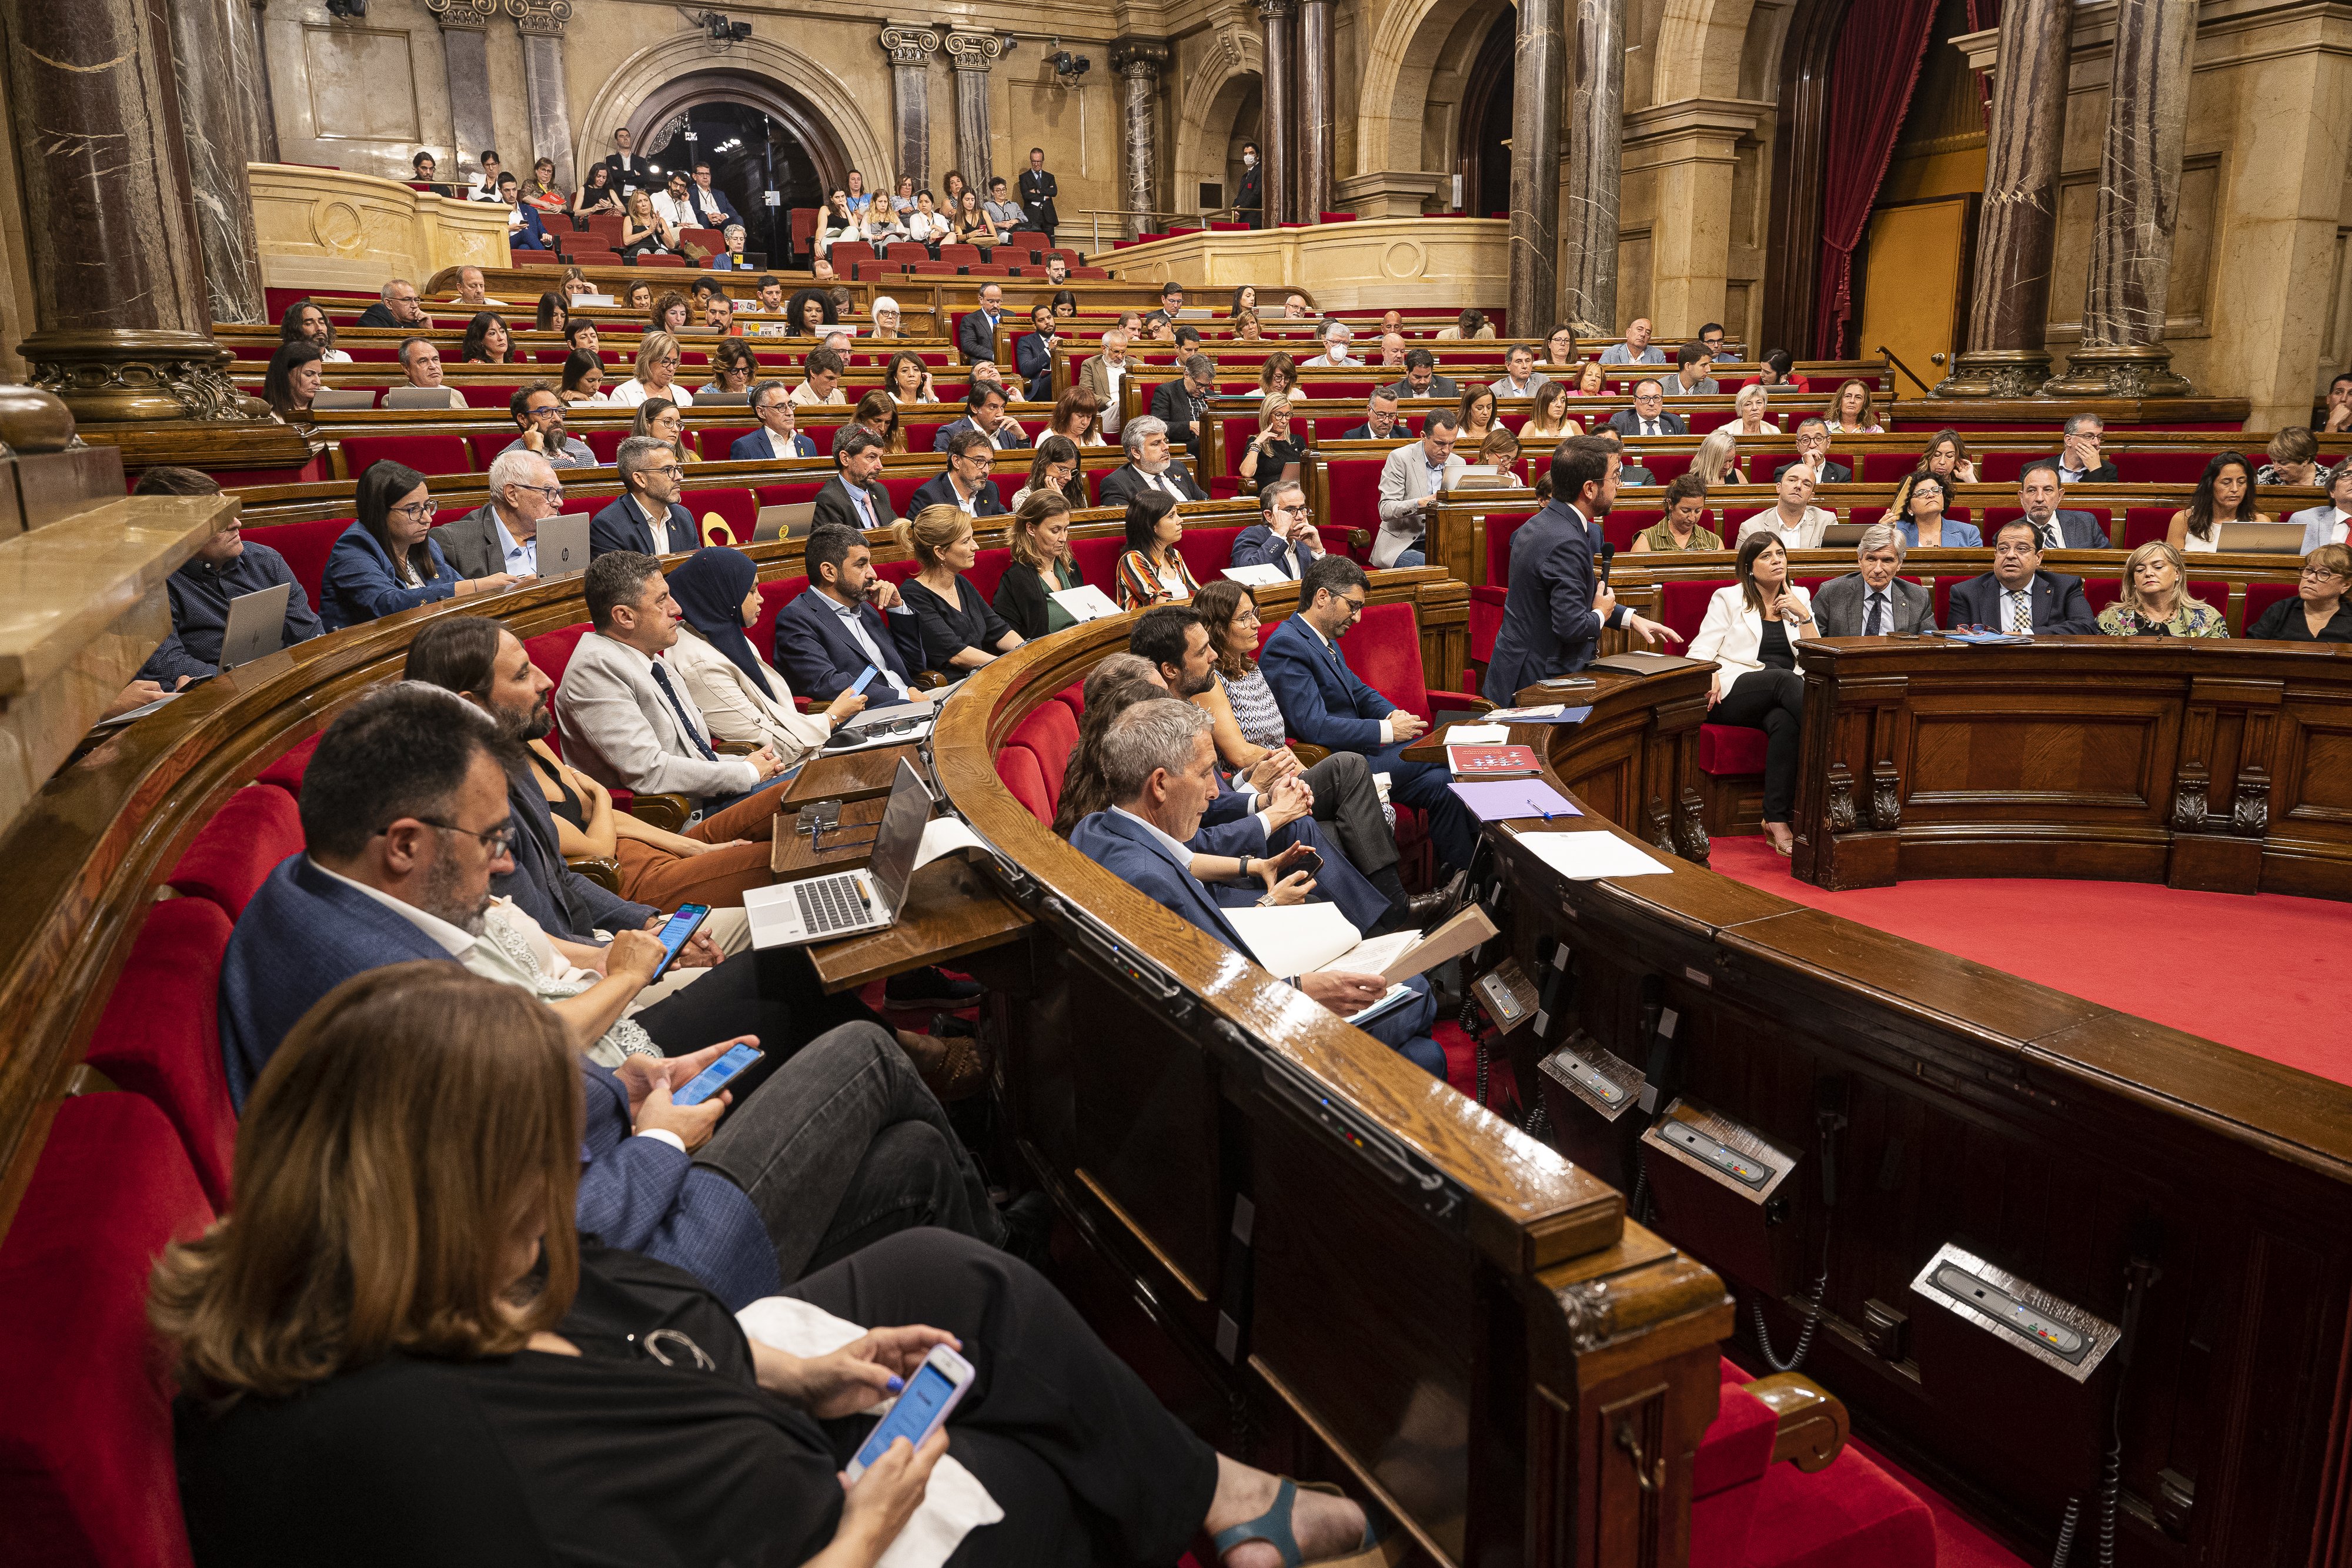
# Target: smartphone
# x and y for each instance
(857, 686)
(1312, 862)
(677, 931)
(713, 1078)
(929, 1395)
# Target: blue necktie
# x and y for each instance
(661, 679)
(864, 505)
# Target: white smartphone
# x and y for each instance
(922, 1406)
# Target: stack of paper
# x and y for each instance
(1084, 602)
(1584, 856)
(1300, 938)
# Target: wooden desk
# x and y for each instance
(852, 776)
(2211, 764)
(846, 846)
(951, 914)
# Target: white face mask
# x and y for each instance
(1249, 160)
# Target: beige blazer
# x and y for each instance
(736, 710)
(1094, 377)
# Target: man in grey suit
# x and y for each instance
(1690, 378)
(1414, 478)
(629, 724)
(501, 535)
(1420, 378)
(1875, 602)
(2037, 492)
(1648, 416)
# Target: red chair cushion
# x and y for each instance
(235, 852)
(1018, 767)
(1500, 527)
(606, 443)
(734, 507)
(1486, 621)
(774, 595)
(1850, 1515)
(2145, 524)
(86, 1464)
(1098, 559)
(425, 453)
(1737, 1444)
(987, 569)
(306, 546)
(1051, 734)
(1683, 604)
(552, 651)
(1351, 495)
(286, 773)
(1383, 648)
(1208, 551)
(160, 1035)
(2260, 596)
(1730, 750)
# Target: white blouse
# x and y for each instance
(735, 710)
(632, 392)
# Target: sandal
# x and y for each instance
(961, 1070)
(1273, 1527)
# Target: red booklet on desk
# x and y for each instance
(1475, 762)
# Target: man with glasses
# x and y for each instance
(983, 411)
(538, 413)
(779, 436)
(1379, 418)
(1182, 404)
(1813, 451)
(398, 305)
(501, 535)
(1286, 537)
(1648, 416)
(966, 486)
(2079, 462)
(1336, 338)
(647, 518)
(1326, 704)
(1414, 479)
(2018, 596)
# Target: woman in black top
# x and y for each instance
(1042, 564)
(2317, 613)
(397, 1349)
(961, 630)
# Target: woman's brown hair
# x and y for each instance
(412, 1124)
(1118, 684)
(1021, 537)
(1216, 604)
(931, 531)
(1074, 402)
(880, 406)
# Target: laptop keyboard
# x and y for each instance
(829, 904)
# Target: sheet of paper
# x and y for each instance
(1478, 735)
(1387, 999)
(1373, 954)
(1294, 939)
(1261, 575)
(945, 836)
(1084, 602)
(1531, 714)
(1582, 857)
(1500, 800)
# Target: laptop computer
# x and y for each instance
(845, 902)
(786, 522)
(424, 397)
(2262, 538)
(1843, 535)
(255, 627)
(562, 544)
(327, 400)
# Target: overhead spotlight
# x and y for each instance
(1070, 67)
(722, 31)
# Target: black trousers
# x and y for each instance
(773, 994)
(1774, 702)
(1087, 1464)
(1347, 799)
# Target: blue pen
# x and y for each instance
(1538, 811)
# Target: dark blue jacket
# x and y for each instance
(1549, 625)
(200, 594)
(360, 585)
(819, 659)
(1123, 849)
(643, 1196)
(618, 527)
(759, 446)
(2059, 607)
(939, 491)
(1008, 437)
(1256, 546)
(1323, 702)
(1230, 826)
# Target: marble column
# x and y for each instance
(2122, 353)
(1138, 62)
(205, 57)
(261, 108)
(1279, 133)
(545, 93)
(911, 50)
(1319, 84)
(118, 266)
(465, 61)
(2009, 304)
(1539, 75)
(1595, 163)
(972, 54)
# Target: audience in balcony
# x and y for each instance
(486, 341)
(2155, 601)
(2018, 595)
(396, 305)
(1813, 451)
(711, 208)
(386, 562)
(226, 566)
(541, 193)
(925, 224)
(1477, 412)
(1053, 471)
(1550, 424)
(2329, 523)
(1637, 349)
(2225, 492)
(850, 619)
(1078, 418)
(598, 195)
(524, 230)
(659, 358)
(1750, 632)
(305, 320)
(1414, 478)
(734, 369)
(1038, 540)
(1874, 601)
(2293, 455)
(2317, 612)
(957, 629)
(645, 517)
(1683, 527)
(1850, 411)
(966, 486)
(583, 378)
(1004, 214)
(664, 421)
(673, 203)
(1149, 467)
(644, 231)
(1691, 377)
(2079, 460)
(296, 371)
(968, 222)
(1152, 570)
(777, 438)
(1794, 520)
(738, 694)
(983, 411)
(1921, 501)
(501, 535)
(1649, 415)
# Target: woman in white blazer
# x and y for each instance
(1751, 631)
(741, 696)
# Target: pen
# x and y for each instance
(1538, 811)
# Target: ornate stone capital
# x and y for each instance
(113, 377)
(975, 51)
(1277, 10)
(539, 18)
(1996, 372)
(2126, 370)
(1137, 56)
(462, 15)
(908, 46)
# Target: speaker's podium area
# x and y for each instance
(1789, 1014)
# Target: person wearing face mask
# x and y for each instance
(1249, 203)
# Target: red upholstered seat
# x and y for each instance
(1051, 734)
(921, 433)
(709, 239)
(306, 546)
(734, 507)
(987, 569)
(1730, 749)
(1683, 604)
(1486, 621)
(902, 488)
(1850, 1515)
(605, 443)
(2145, 525)
(582, 256)
(1351, 491)
(1889, 467)
(791, 493)
(233, 854)
(1098, 559)
(774, 594)
(650, 258)
(286, 773)
(85, 1466)
(160, 1035)
(844, 252)
(1623, 522)
(1208, 551)
(552, 651)
(713, 440)
(425, 453)
(2260, 596)
(1019, 767)
(2160, 467)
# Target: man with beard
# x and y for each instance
(1557, 605)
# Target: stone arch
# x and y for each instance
(1417, 44)
(1701, 46)
(1213, 100)
(647, 75)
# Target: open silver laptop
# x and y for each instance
(562, 544)
(791, 521)
(845, 902)
(255, 627)
(424, 397)
(2262, 538)
(327, 400)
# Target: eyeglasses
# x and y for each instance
(669, 470)
(415, 511)
(543, 409)
(496, 841)
(2318, 574)
(553, 492)
(1298, 511)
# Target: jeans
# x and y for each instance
(1412, 557)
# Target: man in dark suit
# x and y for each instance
(1649, 415)
(1420, 378)
(1284, 537)
(851, 498)
(2018, 596)
(1326, 704)
(628, 171)
(1038, 193)
(966, 485)
(711, 206)
(1249, 201)
(1813, 447)
(779, 433)
(1380, 419)
(1032, 355)
(647, 518)
(984, 414)
(2038, 491)
(1557, 604)
(1148, 467)
(1875, 602)
(976, 333)
(1182, 404)
(2080, 461)
(848, 619)
(396, 306)
(1161, 766)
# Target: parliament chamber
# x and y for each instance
(1895, 1124)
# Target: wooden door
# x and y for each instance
(1914, 281)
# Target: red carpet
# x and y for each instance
(2180, 959)
(1958, 1544)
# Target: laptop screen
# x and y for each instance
(900, 836)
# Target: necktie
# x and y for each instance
(1876, 624)
(2021, 611)
(661, 679)
(1649, 427)
(864, 505)
(2051, 538)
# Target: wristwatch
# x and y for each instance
(1245, 868)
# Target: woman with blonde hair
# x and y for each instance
(1718, 462)
(1749, 402)
(960, 629)
(1272, 453)
(1849, 409)
(644, 231)
(1041, 566)
(659, 418)
(2317, 612)
(1246, 327)
(1549, 422)
(2155, 601)
(659, 358)
(1500, 451)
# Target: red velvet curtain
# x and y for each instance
(1879, 52)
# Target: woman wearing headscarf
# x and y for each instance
(741, 696)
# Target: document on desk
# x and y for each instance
(1263, 575)
(1582, 857)
(945, 836)
(1300, 938)
(1502, 799)
(1084, 602)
